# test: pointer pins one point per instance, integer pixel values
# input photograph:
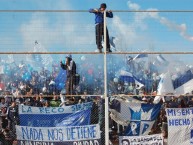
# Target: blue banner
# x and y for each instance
(142, 118)
(139, 117)
(73, 115)
(23, 109)
(52, 120)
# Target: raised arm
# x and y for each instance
(63, 66)
(109, 14)
(93, 10)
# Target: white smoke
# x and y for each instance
(181, 28)
(133, 6)
(45, 59)
(141, 16)
(126, 33)
(58, 29)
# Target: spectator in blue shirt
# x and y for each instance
(99, 28)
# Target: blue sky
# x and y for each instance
(75, 31)
(84, 4)
(69, 32)
(72, 32)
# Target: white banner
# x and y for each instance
(155, 139)
(180, 126)
(58, 134)
(54, 110)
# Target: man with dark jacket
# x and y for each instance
(99, 28)
(70, 67)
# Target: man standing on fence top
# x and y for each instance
(99, 28)
(70, 67)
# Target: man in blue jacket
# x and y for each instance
(99, 28)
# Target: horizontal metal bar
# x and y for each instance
(61, 11)
(152, 52)
(49, 53)
(47, 96)
(118, 95)
(46, 11)
(148, 95)
(167, 11)
(96, 53)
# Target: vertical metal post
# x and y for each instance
(105, 85)
(118, 128)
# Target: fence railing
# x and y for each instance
(145, 44)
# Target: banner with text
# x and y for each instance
(84, 142)
(54, 116)
(155, 139)
(71, 135)
(180, 126)
(23, 109)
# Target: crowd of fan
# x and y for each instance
(9, 116)
(160, 125)
(20, 84)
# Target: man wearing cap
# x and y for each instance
(99, 28)
(70, 67)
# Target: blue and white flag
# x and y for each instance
(179, 86)
(53, 120)
(55, 116)
(23, 109)
(128, 77)
(185, 88)
(138, 83)
(182, 79)
(161, 59)
(75, 119)
(140, 56)
(138, 117)
(142, 118)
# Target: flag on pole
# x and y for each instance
(126, 76)
(140, 56)
(161, 59)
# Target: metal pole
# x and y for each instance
(126, 52)
(105, 85)
(118, 128)
(86, 11)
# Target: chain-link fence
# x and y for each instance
(31, 84)
(57, 88)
